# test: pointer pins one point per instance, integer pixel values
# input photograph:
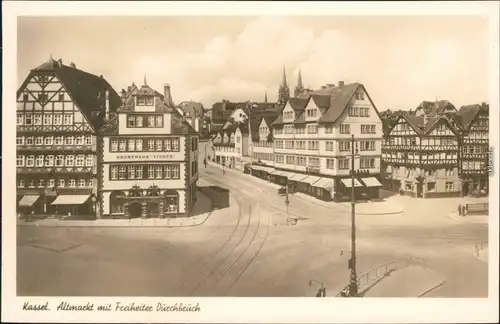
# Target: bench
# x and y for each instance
(477, 208)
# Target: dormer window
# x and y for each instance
(312, 112)
(145, 100)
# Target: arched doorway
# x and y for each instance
(134, 209)
(171, 201)
(153, 209)
(116, 202)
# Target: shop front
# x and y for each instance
(306, 185)
(323, 189)
(294, 181)
(345, 188)
(372, 187)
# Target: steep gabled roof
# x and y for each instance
(466, 114)
(339, 99)
(192, 108)
(87, 90)
(433, 108)
(421, 125)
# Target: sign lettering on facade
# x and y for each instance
(145, 157)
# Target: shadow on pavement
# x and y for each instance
(219, 196)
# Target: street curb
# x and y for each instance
(60, 225)
(432, 288)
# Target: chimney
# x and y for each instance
(60, 62)
(124, 94)
(323, 87)
(167, 97)
(341, 83)
(330, 85)
(73, 65)
(107, 105)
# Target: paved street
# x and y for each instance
(247, 250)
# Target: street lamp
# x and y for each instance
(353, 283)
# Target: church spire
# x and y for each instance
(283, 80)
(299, 88)
(145, 82)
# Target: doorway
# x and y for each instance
(134, 210)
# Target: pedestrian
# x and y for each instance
(466, 210)
(459, 210)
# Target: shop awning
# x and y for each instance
(348, 183)
(371, 182)
(297, 177)
(310, 180)
(275, 172)
(287, 174)
(325, 183)
(266, 169)
(70, 199)
(28, 200)
(256, 168)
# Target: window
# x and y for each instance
(32, 184)
(360, 95)
(449, 172)
(290, 160)
(79, 140)
(138, 144)
(51, 183)
(20, 160)
(30, 160)
(149, 101)
(151, 145)
(59, 160)
(175, 171)
(72, 183)
(37, 119)
(68, 140)
(48, 140)
(131, 172)
(81, 182)
(345, 129)
(159, 145)
(449, 186)
(20, 119)
(141, 101)
(131, 145)
(114, 172)
(61, 96)
(57, 119)
(367, 145)
(151, 172)
(61, 183)
(38, 140)
(20, 140)
(330, 164)
(343, 164)
(114, 145)
(88, 139)
(312, 129)
(159, 121)
(328, 129)
(367, 129)
(29, 140)
(123, 145)
(301, 161)
(312, 145)
(41, 183)
(28, 119)
(49, 160)
(312, 112)
(47, 119)
(131, 121)
(279, 158)
(238, 139)
(367, 163)
(70, 160)
(175, 145)
(138, 121)
(80, 160)
(151, 121)
(344, 146)
(158, 172)
(68, 119)
(313, 162)
(121, 172)
(59, 140)
(21, 184)
(39, 161)
(138, 172)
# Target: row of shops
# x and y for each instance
(324, 188)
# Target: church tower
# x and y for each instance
(284, 91)
(299, 88)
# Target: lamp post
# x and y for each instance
(287, 201)
(353, 283)
(94, 204)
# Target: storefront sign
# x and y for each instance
(145, 157)
(312, 170)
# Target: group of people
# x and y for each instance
(462, 210)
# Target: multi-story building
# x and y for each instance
(59, 110)
(148, 165)
(473, 166)
(312, 142)
(231, 145)
(421, 156)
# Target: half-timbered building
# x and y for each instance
(231, 145)
(59, 110)
(473, 165)
(420, 156)
(148, 166)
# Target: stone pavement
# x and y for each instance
(413, 281)
(203, 203)
(469, 219)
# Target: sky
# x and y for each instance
(401, 61)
